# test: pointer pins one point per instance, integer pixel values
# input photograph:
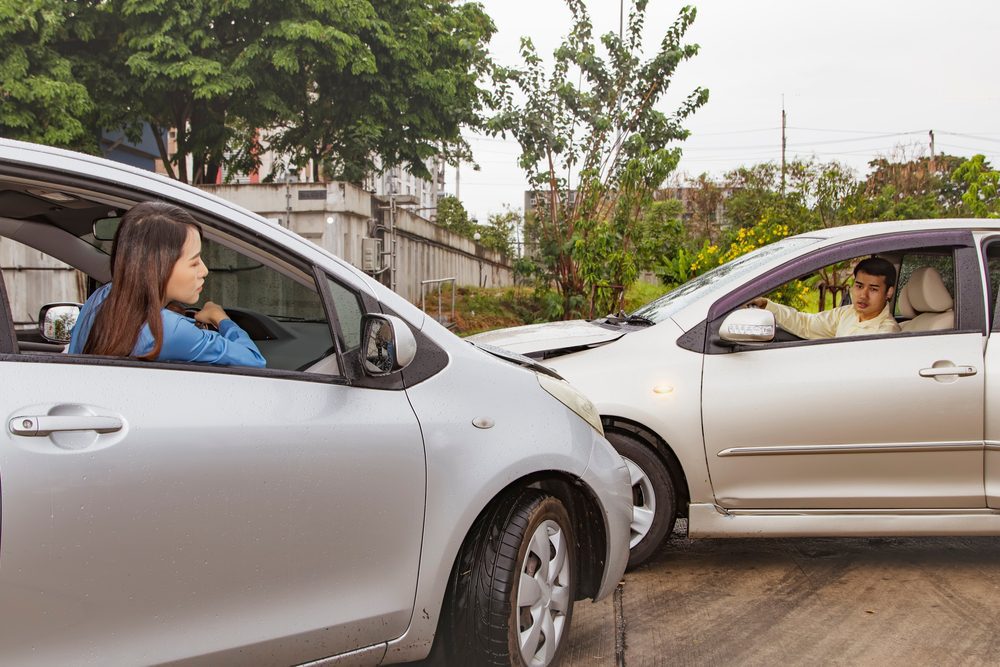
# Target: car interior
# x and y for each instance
(275, 302)
(924, 297)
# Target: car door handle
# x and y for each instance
(48, 424)
(961, 371)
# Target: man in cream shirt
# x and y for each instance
(869, 312)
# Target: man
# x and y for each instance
(869, 312)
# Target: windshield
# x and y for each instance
(730, 272)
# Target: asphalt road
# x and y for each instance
(844, 601)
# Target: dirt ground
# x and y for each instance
(845, 601)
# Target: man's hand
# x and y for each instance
(759, 302)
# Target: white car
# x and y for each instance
(751, 432)
(380, 490)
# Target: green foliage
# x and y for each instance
(451, 215)
(40, 98)
(593, 117)
(498, 233)
(980, 196)
(402, 84)
(332, 81)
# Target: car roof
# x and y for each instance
(863, 230)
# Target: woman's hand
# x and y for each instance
(759, 302)
(211, 313)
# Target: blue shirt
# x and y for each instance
(182, 340)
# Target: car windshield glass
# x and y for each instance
(730, 272)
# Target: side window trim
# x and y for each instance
(8, 337)
(992, 301)
(831, 254)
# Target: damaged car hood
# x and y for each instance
(534, 340)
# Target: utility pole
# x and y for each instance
(457, 167)
(933, 166)
(783, 145)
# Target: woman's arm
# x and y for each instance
(183, 341)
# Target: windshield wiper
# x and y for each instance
(639, 320)
(622, 318)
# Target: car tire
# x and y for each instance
(514, 584)
(653, 496)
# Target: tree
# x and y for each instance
(343, 79)
(980, 198)
(451, 215)
(40, 99)
(594, 145)
(909, 189)
(414, 88)
(499, 232)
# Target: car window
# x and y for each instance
(278, 305)
(812, 298)
(993, 277)
(349, 312)
(942, 262)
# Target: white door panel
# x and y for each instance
(847, 424)
(227, 509)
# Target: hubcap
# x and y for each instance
(543, 596)
(643, 503)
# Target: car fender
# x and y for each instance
(468, 466)
(646, 378)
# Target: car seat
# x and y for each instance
(925, 300)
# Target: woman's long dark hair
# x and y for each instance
(147, 245)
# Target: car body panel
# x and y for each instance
(228, 536)
(526, 437)
(551, 336)
(846, 425)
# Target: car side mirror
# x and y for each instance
(56, 321)
(748, 325)
(105, 228)
(387, 344)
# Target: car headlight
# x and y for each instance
(571, 397)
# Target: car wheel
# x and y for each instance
(653, 498)
(515, 583)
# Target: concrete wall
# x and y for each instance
(337, 216)
(33, 279)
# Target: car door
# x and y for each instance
(251, 516)
(852, 423)
(991, 252)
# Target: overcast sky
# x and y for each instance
(860, 78)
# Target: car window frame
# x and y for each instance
(992, 300)
(8, 336)
(10, 349)
(969, 303)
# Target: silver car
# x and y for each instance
(354, 501)
(749, 431)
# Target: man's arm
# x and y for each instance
(803, 325)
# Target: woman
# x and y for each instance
(156, 261)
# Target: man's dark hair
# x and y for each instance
(876, 266)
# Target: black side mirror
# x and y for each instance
(56, 321)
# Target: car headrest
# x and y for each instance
(903, 303)
(926, 291)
